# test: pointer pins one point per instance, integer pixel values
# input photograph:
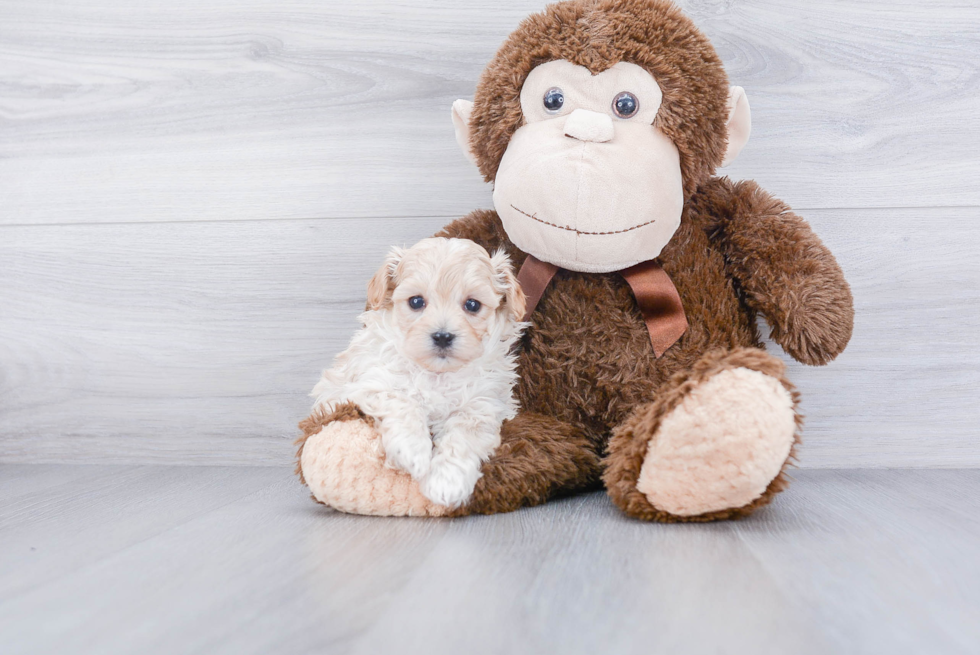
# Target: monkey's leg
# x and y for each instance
(713, 445)
(342, 461)
(539, 457)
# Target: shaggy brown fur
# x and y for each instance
(590, 386)
(783, 269)
(587, 360)
(538, 459)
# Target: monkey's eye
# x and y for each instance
(554, 98)
(416, 302)
(625, 104)
(472, 306)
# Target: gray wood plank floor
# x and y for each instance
(116, 559)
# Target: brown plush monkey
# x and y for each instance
(600, 124)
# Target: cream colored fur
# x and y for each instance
(439, 410)
(722, 446)
(586, 125)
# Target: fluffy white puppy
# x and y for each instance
(434, 364)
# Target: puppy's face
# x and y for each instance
(446, 296)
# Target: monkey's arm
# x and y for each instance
(783, 269)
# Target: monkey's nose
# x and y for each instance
(443, 339)
(586, 125)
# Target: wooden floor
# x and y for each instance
(155, 559)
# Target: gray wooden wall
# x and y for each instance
(193, 194)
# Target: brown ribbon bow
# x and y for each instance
(655, 295)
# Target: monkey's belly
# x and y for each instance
(588, 358)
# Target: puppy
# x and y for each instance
(434, 364)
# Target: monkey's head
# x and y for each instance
(596, 121)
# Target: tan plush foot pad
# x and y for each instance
(722, 446)
(343, 465)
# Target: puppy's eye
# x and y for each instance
(472, 306)
(416, 302)
(625, 104)
(554, 99)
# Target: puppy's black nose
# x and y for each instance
(443, 339)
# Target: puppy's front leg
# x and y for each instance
(406, 439)
(460, 450)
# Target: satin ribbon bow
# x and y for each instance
(655, 294)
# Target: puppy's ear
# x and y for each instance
(505, 283)
(382, 285)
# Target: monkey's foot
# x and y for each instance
(712, 446)
(721, 446)
(344, 466)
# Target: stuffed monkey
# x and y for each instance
(600, 124)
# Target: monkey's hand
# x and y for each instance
(783, 269)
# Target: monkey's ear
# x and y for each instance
(382, 285)
(461, 121)
(506, 284)
(739, 123)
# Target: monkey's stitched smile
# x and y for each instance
(572, 229)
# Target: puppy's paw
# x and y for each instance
(449, 483)
(414, 456)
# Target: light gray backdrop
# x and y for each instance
(194, 193)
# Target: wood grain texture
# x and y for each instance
(171, 111)
(166, 560)
(192, 195)
(99, 511)
(197, 342)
